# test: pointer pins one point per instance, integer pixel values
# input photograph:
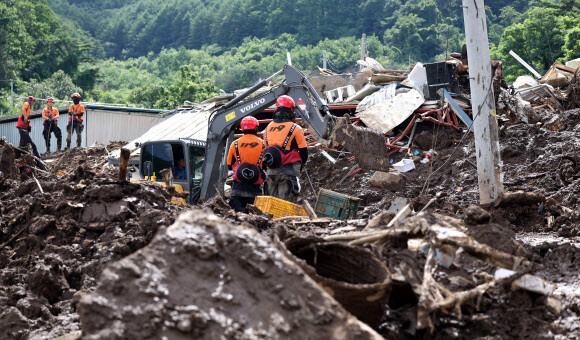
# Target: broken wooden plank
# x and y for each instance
(309, 211)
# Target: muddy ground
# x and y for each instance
(54, 246)
(535, 160)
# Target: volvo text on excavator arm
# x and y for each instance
(225, 120)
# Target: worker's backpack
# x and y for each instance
(246, 172)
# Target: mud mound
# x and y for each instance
(53, 244)
(535, 160)
(205, 278)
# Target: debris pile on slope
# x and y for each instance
(206, 278)
(57, 232)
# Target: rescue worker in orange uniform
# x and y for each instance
(245, 159)
(50, 116)
(75, 120)
(286, 152)
(23, 125)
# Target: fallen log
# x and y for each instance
(521, 198)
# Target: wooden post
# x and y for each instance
(125, 155)
(487, 148)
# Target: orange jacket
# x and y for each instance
(276, 133)
(250, 148)
(54, 114)
(78, 110)
(24, 116)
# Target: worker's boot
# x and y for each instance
(58, 145)
(79, 142)
(47, 147)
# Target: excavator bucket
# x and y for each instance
(367, 145)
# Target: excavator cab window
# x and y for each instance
(196, 157)
(162, 156)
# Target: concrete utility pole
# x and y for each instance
(363, 49)
(487, 149)
(324, 58)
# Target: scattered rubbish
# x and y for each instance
(456, 108)
(525, 82)
(389, 113)
(441, 75)
(373, 65)
(526, 65)
(336, 205)
(336, 267)
(445, 256)
(385, 93)
(327, 156)
(573, 64)
(528, 282)
(404, 165)
(278, 208)
(369, 146)
(558, 75)
(339, 94)
(367, 90)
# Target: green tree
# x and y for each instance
(544, 37)
(59, 86)
(191, 87)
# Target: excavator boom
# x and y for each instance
(227, 118)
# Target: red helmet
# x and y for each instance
(31, 98)
(75, 95)
(249, 123)
(285, 101)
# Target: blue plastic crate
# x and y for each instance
(336, 205)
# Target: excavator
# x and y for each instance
(205, 170)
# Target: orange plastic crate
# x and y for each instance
(278, 208)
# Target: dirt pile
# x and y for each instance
(54, 243)
(206, 278)
(534, 159)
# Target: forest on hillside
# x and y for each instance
(157, 53)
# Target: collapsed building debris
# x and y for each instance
(415, 258)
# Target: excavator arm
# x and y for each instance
(227, 118)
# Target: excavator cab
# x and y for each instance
(184, 157)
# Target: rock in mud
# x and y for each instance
(205, 278)
(476, 215)
(392, 181)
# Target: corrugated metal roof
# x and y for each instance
(534, 92)
(102, 124)
(189, 123)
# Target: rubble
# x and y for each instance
(417, 257)
(205, 278)
(392, 181)
(54, 244)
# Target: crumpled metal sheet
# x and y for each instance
(389, 113)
